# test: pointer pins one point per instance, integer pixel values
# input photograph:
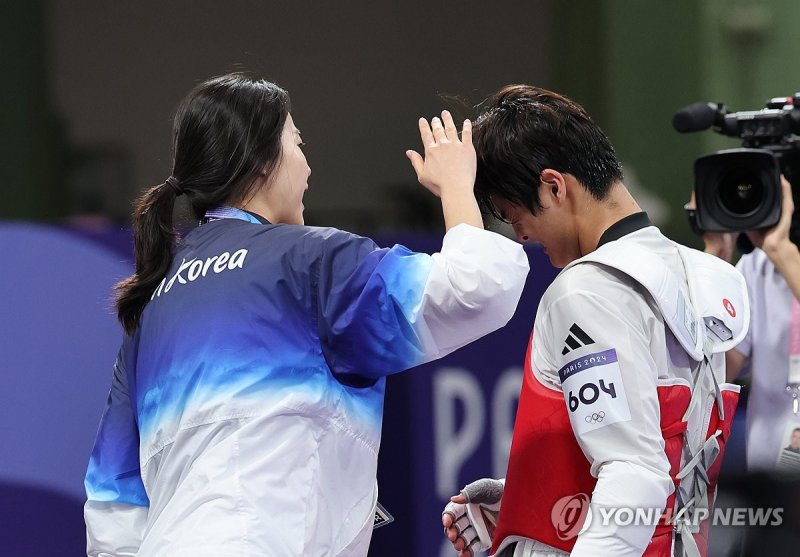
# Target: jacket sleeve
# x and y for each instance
(385, 310)
(116, 507)
(601, 354)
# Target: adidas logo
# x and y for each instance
(576, 339)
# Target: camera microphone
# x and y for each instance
(695, 117)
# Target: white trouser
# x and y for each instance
(532, 548)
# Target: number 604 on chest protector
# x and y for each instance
(594, 392)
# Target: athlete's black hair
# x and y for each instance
(524, 130)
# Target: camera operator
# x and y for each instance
(772, 345)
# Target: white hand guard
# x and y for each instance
(472, 519)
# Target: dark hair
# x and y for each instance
(227, 132)
(524, 130)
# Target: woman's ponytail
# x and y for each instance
(226, 133)
(154, 239)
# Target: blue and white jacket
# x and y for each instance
(245, 411)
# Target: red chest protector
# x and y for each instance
(547, 466)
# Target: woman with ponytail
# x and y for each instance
(246, 402)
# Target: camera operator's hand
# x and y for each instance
(720, 244)
(777, 244)
(775, 241)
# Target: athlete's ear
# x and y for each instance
(555, 184)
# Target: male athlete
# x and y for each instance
(622, 398)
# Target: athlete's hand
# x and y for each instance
(469, 519)
(449, 163)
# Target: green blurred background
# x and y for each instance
(89, 89)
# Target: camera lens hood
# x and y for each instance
(737, 190)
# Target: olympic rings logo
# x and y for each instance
(595, 417)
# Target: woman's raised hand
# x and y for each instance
(449, 162)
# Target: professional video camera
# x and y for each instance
(739, 189)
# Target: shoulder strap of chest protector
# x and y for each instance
(711, 315)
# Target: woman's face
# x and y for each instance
(290, 180)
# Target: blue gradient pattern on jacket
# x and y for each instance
(294, 316)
